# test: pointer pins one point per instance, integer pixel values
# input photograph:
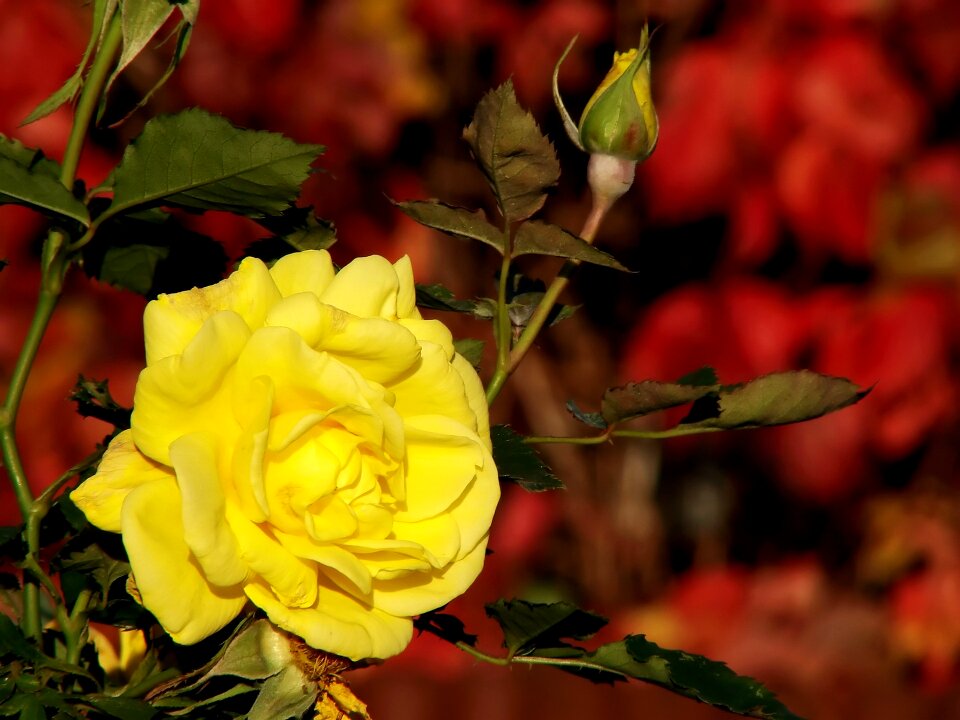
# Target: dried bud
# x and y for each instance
(619, 119)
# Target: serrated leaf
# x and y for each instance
(518, 462)
(455, 221)
(438, 297)
(517, 160)
(295, 229)
(527, 627)
(642, 398)
(28, 178)
(539, 238)
(778, 399)
(12, 642)
(702, 376)
(132, 267)
(68, 91)
(197, 160)
(285, 695)
(259, 651)
(593, 419)
(693, 676)
(471, 349)
(84, 556)
(445, 626)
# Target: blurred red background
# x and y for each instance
(802, 210)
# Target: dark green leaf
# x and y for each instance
(153, 254)
(471, 349)
(517, 160)
(12, 546)
(32, 709)
(517, 461)
(197, 160)
(522, 306)
(530, 626)
(28, 178)
(93, 399)
(778, 399)
(437, 297)
(9, 581)
(285, 695)
(190, 708)
(538, 238)
(703, 376)
(83, 555)
(455, 221)
(445, 626)
(593, 419)
(13, 642)
(641, 398)
(694, 676)
(121, 708)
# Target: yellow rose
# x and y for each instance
(306, 441)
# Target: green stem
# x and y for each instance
(636, 434)
(502, 333)
(545, 306)
(578, 663)
(480, 655)
(55, 262)
(142, 688)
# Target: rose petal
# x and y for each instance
(121, 469)
(307, 271)
(186, 393)
(436, 388)
(169, 580)
(476, 397)
(440, 535)
(417, 593)
(330, 556)
(366, 287)
(171, 321)
(407, 292)
(338, 623)
(201, 495)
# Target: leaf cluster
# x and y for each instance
(549, 634)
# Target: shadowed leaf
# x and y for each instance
(437, 297)
(517, 160)
(455, 221)
(528, 627)
(445, 626)
(537, 238)
(28, 178)
(518, 462)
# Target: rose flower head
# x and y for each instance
(303, 440)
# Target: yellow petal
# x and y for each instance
(440, 535)
(329, 519)
(205, 528)
(330, 557)
(419, 592)
(187, 393)
(171, 321)
(169, 580)
(367, 287)
(476, 398)
(252, 407)
(442, 459)
(338, 624)
(307, 271)
(473, 511)
(407, 292)
(293, 579)
(121, 469)
(436, 388)
(430, 331)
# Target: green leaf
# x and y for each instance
(32, 710)
(445, 626)
(693, 676)
(259, 651)
(455, 221)
(140, 20)
(121, 708)
(776, 399)
(12, 642)
(527, 627)
(642, 398)
(94, 400)
(85, 556)
(437, 297)
(153, 253)
(702, 376)
(28, 178)
(197, 160)
(538, 238)
(471, 349)
(285, 695)
(295, 229)
(517, 160)
(69, 90)
(517, 461)
(522, 306)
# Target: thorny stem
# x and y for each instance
(55, 262)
